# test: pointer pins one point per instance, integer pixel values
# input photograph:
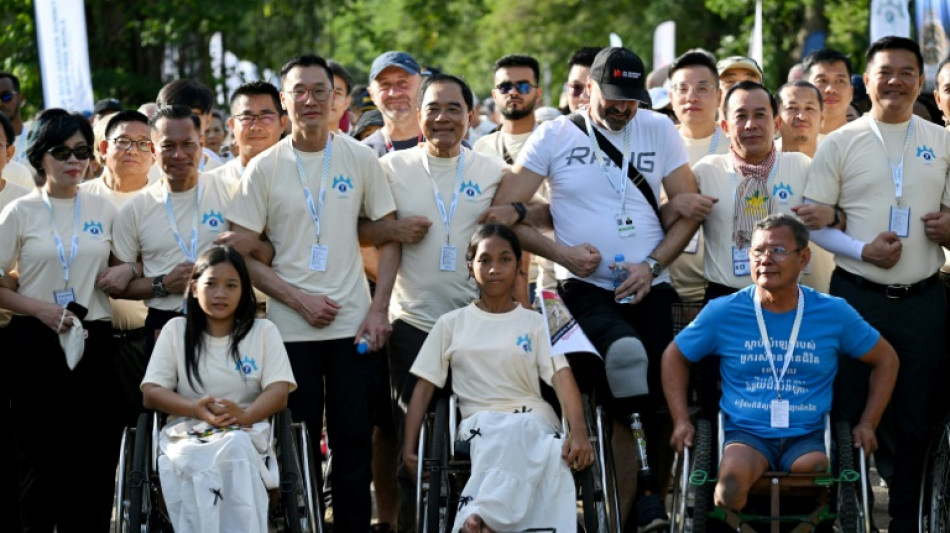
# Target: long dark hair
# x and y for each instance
(196, 322)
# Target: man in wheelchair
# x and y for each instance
(779, 343)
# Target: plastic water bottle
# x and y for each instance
(620, 274)
(636, 426)
(363, 346)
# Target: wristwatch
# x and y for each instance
(158, 288)
(655, 267)
(837, 219)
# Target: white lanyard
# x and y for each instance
(191, 254)
(625, 162)
(74, 243)
(768, 182)
(897, 171)
(714, 145)
(459, 169)
(789, 352)
(316, 211)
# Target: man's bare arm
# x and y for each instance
(680, 181)
(884, 364)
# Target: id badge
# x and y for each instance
(693, 246)
(900, 221)
(448, 259)
(625, 227)
(318, 258)
(740, 261)
(779, 414)
(64, 297)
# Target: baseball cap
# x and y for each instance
(660, 97)
(733, 62)
(620, 75)
(367, 120)
(393, 59)
(107, 104)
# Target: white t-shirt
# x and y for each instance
(423, 291)
(852, 170)
(496, 360)
(19, 174)
(585, 206)
(499, 143)
(26, 241)
(143, 229)
(270, 199)
(716, 177)
(263, 362)
(10, 192)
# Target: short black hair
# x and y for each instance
(519, 60)
(306, 60)
(779, 220)
(187, 92)
(175, 112)
(584, 56)
(748, 86)
(9, 135)
(892, 42)
(339, 70)
(52, 128)
(490, 230)
(255, 88)
(129, 115)
(13, 79)
(695, 58)
(803, 84)
(827, 56)
(467, 94)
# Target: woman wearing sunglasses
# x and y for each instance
(60, 353)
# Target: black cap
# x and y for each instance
(107, 104)
(620, 75)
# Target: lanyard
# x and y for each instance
(74, 242)
(715, 141)
(503, 149)
(191, 254)
(768, 182)
(459, 169)
(897, 171)
(791, 340)
(625, 162)
(316, 211)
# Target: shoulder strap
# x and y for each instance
(611, 151)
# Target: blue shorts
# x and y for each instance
(780, 453)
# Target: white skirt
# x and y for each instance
(213, 482)
(519, 480)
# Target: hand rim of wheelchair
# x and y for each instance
(934, 504)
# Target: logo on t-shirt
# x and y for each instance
(926, 153)
(524, 342)
(470, 190)
(93, 229)
(782, 191)
(342, 186)
(213, 219)
(247, 366)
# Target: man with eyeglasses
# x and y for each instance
(780, 345)
(307, 194)
(578, 74)
(801, 108)
(830, 71)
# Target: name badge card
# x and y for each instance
(780, 413)
(740, 261)
(449, 257)
(625, 227)
(318, 258)
(900, 220)
(693, 246)
(64, 297)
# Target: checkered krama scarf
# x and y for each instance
(753, 198)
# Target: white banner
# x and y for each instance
(664, 44)
(755, 40)
(889, 17)
(64, 54)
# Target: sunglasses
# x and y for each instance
(6, 96)
(62, 153)
(523, 87)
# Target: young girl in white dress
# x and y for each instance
(497, 351)
(218, 373)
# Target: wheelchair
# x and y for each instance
(841, 492)
(443, 469)
(935, 483)
(139, 506)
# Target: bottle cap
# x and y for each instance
(618, 258)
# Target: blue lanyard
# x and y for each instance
(74, 243)
(715, 141)
(191, 254)
(316, 210)
(459, 169)
(767, 344)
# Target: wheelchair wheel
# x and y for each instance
(300, 505)
(935, 484)
(851, 510)
(139, 476)
(598, 483)
(438, 514)
(703, 461)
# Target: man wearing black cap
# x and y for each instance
(600, 213)
(104, 108)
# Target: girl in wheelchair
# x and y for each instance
(218, 373)
(497, 351)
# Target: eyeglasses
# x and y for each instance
(575, 89)
(7, 96)
(266, 118)
(319, 94)
(701, 89)
(62, 152)
(523, 87)
(777, 253)
(124, 144)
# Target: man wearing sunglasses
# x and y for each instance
(11, 102)
(577, 76)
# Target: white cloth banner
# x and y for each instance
(755, 40)
(889, 17)
(664, 44)
(64, 54)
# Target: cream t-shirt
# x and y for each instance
(851, 169)
(715, 177)
(26, 240)
(423, 291)
(229, 173)
(496, 360)
(263, 362)
(270, 199)
(10, 192)
(19, 174)
(143, 229)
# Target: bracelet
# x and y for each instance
(135, 271)
(194, 413)
(521, 209)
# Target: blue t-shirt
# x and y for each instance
(727, 327)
